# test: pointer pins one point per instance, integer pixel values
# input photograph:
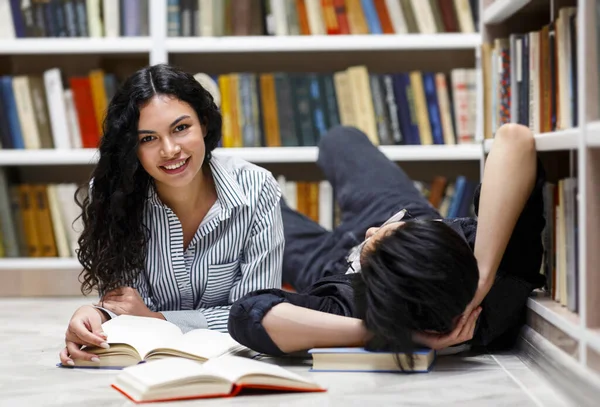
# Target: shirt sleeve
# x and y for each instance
(260, 266)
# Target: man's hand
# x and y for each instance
(462, 332)
(127, 301)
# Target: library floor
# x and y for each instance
(32, 334)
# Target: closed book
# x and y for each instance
(361, 360)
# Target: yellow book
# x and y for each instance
(236, 112)
(43, 219)
(356, 17)
(416, 82)
(227, 131)
(363, 102)
(269, 110)
(98, 96)
(26, 197)
(343, 94)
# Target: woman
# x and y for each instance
(171, 231)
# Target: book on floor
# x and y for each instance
(361, 360)
(225, 376)
(136, 339)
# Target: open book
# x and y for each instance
(225, 376)
(361, 360)
(135, 339)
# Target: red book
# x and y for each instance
(342, 18)
(84, 104)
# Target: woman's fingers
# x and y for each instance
(79, 333)
(75, 352)
(65, 360)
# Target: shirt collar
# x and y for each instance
(229, 191)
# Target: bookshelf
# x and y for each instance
(575, 330)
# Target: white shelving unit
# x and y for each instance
(593, 134)
(34, 46)
(555, 141)
(319, 43)
(256, 155)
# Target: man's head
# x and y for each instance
(415, 276)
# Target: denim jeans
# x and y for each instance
(369, 189)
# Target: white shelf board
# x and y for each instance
(555, 141)
(323, 43)
(255, 155)
(500, 10)
(557, 315)
(593, 134)
(76, 45)
(40, 263)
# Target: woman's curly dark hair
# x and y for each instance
(113, 243)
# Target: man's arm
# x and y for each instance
(293, 328)
(508, 180)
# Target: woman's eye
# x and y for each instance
(181, 127)
(145, 139)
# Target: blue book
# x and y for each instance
(371, 16)
(361, 360)
(12, 116)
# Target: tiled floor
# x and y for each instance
(32, 335)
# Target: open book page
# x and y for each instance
(235, 369)
(203, 343)
(164, 372)
(143, 334)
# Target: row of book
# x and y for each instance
(259, 110)
(560, 237)
(37, 220)
(296, 109)
(186, 18)
(41, 220)
(531, 78)
(39, 112)
(73, 18)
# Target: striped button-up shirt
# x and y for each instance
(238, 248)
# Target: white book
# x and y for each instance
(534, 77)
(7, 28)
(22, 91)
(291, 194)
(57, 109)
(112, 17)
(397, 16)
(424, 16)
(326, 205)
(94, 23)
(58, 224)
(70, 211)
(74, 132)
(206, 18)
(464, 15)
(279, 17)
(316, 21)
(445, 109)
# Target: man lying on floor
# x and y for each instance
(418, 279)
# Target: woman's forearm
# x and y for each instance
(294, 329)
(508, 180)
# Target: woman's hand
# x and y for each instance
(127, 301)
(462, 332)
(85, 328)
(483, 288)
